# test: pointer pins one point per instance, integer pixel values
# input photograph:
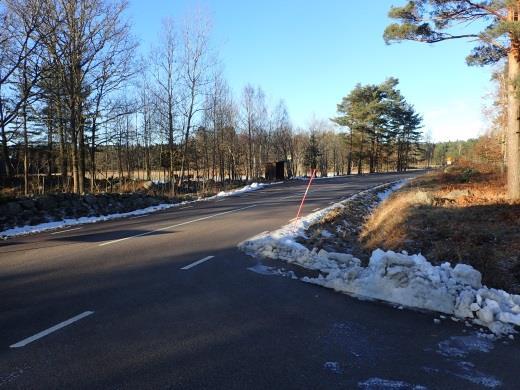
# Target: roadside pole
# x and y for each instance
(305, 195)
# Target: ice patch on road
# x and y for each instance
(332, 367)
(466, 371)
(398, 278)
(381, 384)
(9, 378)
(262, 269)
(461, 346)
(469, 373)
(66, 222)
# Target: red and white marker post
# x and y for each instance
(305, 196)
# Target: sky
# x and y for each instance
(312, 53)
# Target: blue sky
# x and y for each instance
(311, 53)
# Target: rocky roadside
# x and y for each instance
(55, 207)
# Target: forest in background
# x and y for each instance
(80, 112)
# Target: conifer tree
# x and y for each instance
(434, 21)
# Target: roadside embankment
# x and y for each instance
(340, 243)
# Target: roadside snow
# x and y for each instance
(399, 278)
(30, 229)
(248, 188)
(383, 195)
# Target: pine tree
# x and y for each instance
(433, 21)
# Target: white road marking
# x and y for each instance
(197, 262)
(140, 216)
(220, 200)
(64, 231)
(187, 207)
(52, 329)
(177, 225)
(316, 209)
(292, 219)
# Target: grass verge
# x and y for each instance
(460, 215)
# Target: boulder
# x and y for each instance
(46, 203)
(11, 209)
(27, 204)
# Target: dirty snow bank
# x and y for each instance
(41, 227)
(30, 229)
(399, 278)
(248, 188)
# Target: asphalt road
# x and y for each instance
(129, 315)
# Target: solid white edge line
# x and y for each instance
(65, 231)
(177, 225)
(195, 263)
(52, 329)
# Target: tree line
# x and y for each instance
(80, 111)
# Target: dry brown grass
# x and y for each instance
(460, 215)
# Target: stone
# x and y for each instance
(46, 203)
(27, 204)
(12, 209)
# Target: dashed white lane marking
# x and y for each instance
(65, 231)
(52, 329)
(140, 216)
(177, 225)
(195, 263)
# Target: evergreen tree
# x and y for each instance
(433, 21)
(381, 124)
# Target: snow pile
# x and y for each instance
(383, 195)
(30, 229)
(399, 278)
(248, 188)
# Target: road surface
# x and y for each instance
(167, 301)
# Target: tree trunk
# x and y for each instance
(9, 171)
(74, 162)
(349, 161)
(360, 161)
(81, 159)
(50, 145)
(92, 154)
(63, 153)
(513, 126)
(25, 151)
